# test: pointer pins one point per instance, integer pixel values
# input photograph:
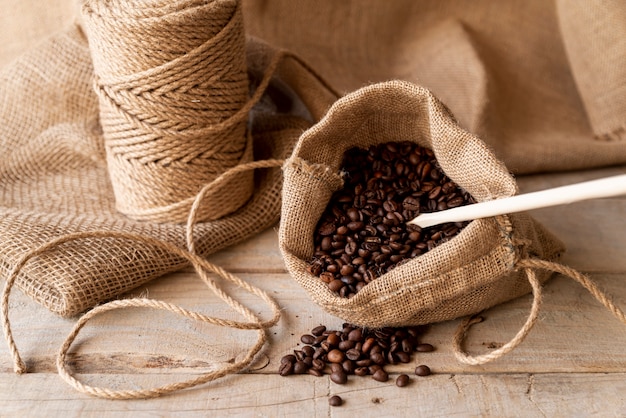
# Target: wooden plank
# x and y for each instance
(574, 334)
(259, 254)
(509, 395)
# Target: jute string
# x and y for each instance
(530, 265)
(173, 89)
(201, 266)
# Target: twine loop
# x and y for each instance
(530, 265)
(202, 267)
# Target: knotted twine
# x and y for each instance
(172, 83)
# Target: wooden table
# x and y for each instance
(572, 364)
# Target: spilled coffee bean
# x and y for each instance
(355, 351)
(363, 232)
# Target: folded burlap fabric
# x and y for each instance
(541, 82)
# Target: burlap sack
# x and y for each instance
(473, 271)
(55, 179)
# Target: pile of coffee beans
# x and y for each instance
(355, 351)
(363, 232)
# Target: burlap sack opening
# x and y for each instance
(473, 271)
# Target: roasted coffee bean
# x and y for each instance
(319, 330)
(335, 356)
(403, 357)
(380, 375)
(333, 339)
(300, 367)
(336, 367)
(307, 339)
(339, 377)
(422, 370)
(353, 354)
(355, 335)
(346, 345)
(335, 285)
(289, 358)
(316, 372)
(424, 348)
(348, 366)
(402, 380)
(363, 232)
(299, 355)
(318, 364)
(361, 371)
(286, 369)
(335, 400)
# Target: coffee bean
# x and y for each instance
(422, 370)
(348, 366)
(403, 357)
(333, 339)
(289, 358)
(318, 364)
(319, 330)
(335, 285)
(353, 354)
(380, 375)
(402, 380)
(335, 400)
(377, 358)
(355, 335)
(361, 371)
(285, 369)
(339, 377)
(354, 214)
(307, 339)
(365, 222)
(335, 356)
(300, 367)
(346, 345)
(424, 348)
(308, 350)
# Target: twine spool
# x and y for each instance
(172, 83)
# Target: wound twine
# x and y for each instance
(172, 84)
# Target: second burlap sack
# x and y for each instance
(475, 270)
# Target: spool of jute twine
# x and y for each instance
(172, 84)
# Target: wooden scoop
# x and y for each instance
(594, 189)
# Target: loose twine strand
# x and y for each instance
(202, 267)
(530, 265)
